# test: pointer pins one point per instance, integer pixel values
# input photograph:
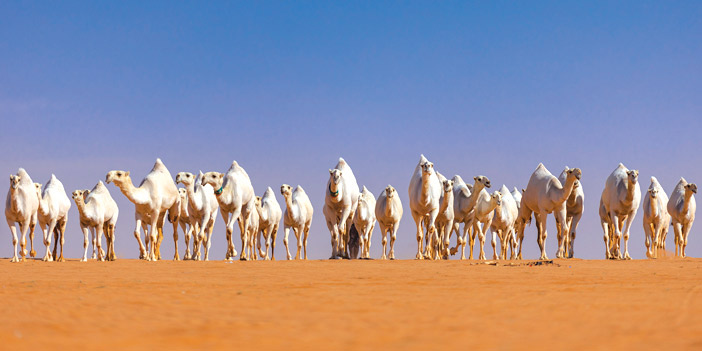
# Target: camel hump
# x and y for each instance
(541, 165)
(159, 166)
(622, 166)
(99, 187)
(654, 180)
(53, 177)
(422, 159)
(683, 181)
(504, 189)
(299, 188)
(235, 164)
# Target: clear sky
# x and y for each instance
(285, 88)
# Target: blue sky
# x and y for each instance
(285, 88)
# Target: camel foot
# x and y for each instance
(33, 253)
(61, 259)
(47, 258)
(272, 258)
(626, 256)
(84, 259)
(383, 257)
(543, 257)
(176, 257)
(14, 259)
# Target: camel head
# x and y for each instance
(576, 173)
(497, 198)
(185, 178)
(258, 202)
(78, 196)
(692, 187)
(38, 187)
(482, 180)
(118, 177)
(653, 192)
(215, 179)
(286, 190)
(448, 186)
(86, 192)
(427, 168)
(14, 181)
(335, 175)
(183, 193)
(633, 176)
(390, 191)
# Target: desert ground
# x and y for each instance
(370, 304)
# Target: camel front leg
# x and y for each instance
(573, 229)
(286, 230)
(483, 233)
(562, 228)
(629, 220)
(298, 232)
(99, 232)
(62, 231)
(24, 227)
(86, 241)
(384, 240)
(677, 231)
(344, 232)
(187, 233)
(494, 244)
(273, 236)
(615, 222)
(685, 233)
(13, 229)
(137, 235)
(649, 233)
(153, 237)
(32, 226)
(47, 241)
(541, 226)
(420, 237)
(307, 235)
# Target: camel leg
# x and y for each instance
(420, 236)
(112, 255)
(483, 234)
(471, 242)
(187, 233)
(56, 234)
(62, 231)
(677, 232)
(344, 231)
(208, 243)
(629, 220)
(384, 240)
(32, 226)
(47, 240)
(573, 229)
(393, 237)
(86, 240)
(153, 237)
(142, 247)
(298, 234)
(541, 219)
(230, 232)
(494, 244)
(685, 233)
(334, 233)
(13, 229)
(307, 235)
(614, 245)
(23, 243)
(562, 227)
(273, 236)
(286, 229)
(99, 232)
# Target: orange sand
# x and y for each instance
(643, 304)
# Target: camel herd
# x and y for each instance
(438, 206)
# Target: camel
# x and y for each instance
(425, 194)
(202, 206)
(252, 242)
(298, 216)
(364, 220)
(464, 211)
(655, 217)
(340, 202)
(53, 216)
(517, 196)
(184, 220)
(156, 194)
(574, 211)
(98, 213)
(545, 194)
(444, 221)
(682, 207)
(482, 217)
(388, 211)
(270, 214)
(93, 233)
(21, 207)
(237, 199)
(620, 198)
(502, 224)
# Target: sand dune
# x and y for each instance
(641, 304)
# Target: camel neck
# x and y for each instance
(448, 200)
(686, 201)
(389, 208)
(134, 194)
(654, 206)
(80, 205)
(631, 188)
(334, 190)
(566, 190)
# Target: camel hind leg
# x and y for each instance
(32, 226)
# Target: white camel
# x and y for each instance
(237, 199)
(425, 194)
(253, 242)
(298, 217)
(483, 215)
(364, 220)
(202, 209)
(270, 214)
(340, 202)
(388, 211)
(621, 198)
(156, 194)
(53, 216)
(444, 221)
(655, 217)
(545, 194)
(93, 233)
(517, 196)
(682, 208)
(98, 213)
(502, 224)
(464, 211)
(21, 207)
(574, 211)
(184, 221)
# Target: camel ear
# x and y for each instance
(126, 173)
(475, 178)
(221, 175)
